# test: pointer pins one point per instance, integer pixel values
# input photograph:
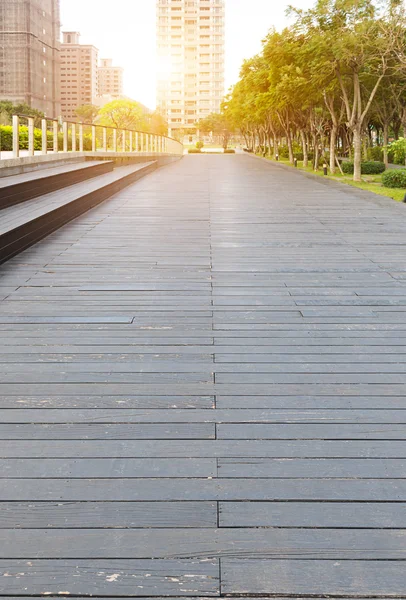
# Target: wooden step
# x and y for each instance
(25, 224)
(20, 188)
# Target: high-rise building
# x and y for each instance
(29, 53)
(110, 79)
(191, 44)
(79, 74)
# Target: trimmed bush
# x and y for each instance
(194, 151)
(199, 145)
(375, 153)
(367, 168)
(6, 139)
(394, 178)
(229, 151)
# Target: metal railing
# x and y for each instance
(67, 136)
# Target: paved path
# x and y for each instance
(203, 388)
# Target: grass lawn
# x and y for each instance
(371, 183)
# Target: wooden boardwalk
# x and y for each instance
(203, 392)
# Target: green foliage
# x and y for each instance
(194, 151)
(394, 178)
(375, 153)
(229, 151)
(8, 109)
(87, 113)
(6, 139)
(199, 145)
(398, 151)
(367, 168)
(123, 114)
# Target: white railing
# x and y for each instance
(67, 136)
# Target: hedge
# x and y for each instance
(194, 151)
(229, 151)
(394, 178)
(367, 168)
(6, 139)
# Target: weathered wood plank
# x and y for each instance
(310, 577)
(107, 515)
(316, 544)
(85, 468)
(100, 578)
(384, 515)
(141, 489)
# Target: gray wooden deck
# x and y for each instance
(203, 392)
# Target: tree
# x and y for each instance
(219, 125)
(156, 123)
(122, 114)
(87, 113)
(8, 109)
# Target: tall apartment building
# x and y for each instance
(29, 53)
(79, 74)
(191, 44)
(110, 79)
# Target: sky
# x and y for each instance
(124, 30)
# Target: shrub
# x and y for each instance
(394, 178)
(6, 139)
(375, 153)
(367, 168)
(397, 151)
(199, 145)
(194, 151)
(229, 151)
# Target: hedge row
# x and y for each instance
(367, 168)
(6, 139)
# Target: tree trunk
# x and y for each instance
(357, 153)
(333, 143)
(385, 144)
(304, 146)
(275, 147)
(290, 147)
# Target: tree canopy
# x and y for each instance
(322, 81)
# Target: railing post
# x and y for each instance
(73, 130)
(30, 136)
(44, 136)
(136, 141)
(114, 140)
(142, 142)
(104, 139)
(65, 136)
(81, 146)
(55, 136)
(124, 141)
(131, 142)
(93, 138)
(16, 136)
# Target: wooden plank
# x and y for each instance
(204, 449)
(314, 544)
(100, 578)
(107, 515)
(123, 431)
(314, 431)
(314, 468)
(384, 515)
(360, 490)
(225, 416)
(66, 401)
(86, 468)
(312, 578)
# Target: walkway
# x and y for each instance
(203, 384)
